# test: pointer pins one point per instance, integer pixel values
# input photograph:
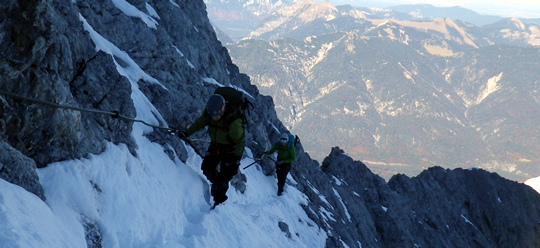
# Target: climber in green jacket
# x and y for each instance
(226, 147)
(286, 155)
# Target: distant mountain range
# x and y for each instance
(303, 19)
(237, 18)
(401, 94)
(427, 11)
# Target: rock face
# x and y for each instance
(19, 169)
(48, 56)
(73, 53)
(438, 208)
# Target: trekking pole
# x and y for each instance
(252, 163)
(256, 160)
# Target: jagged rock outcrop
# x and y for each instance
(438, 208)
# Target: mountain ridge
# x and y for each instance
(447, 63)
(428, 11)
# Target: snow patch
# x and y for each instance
(174, 4)
(337, 181)
(190, 64)
(490, 87)
(212, 81)
(152, 11)
(178, 51)
(274, 127)
(342, 204)
(132, 11)
(468, 221)
(534, 183)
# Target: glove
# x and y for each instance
(178, 133)
(182, 135)
(233, 160)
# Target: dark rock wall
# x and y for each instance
(438, 208)
(54, 60)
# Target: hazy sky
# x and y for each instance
(504, 8)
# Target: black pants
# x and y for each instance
(219, 178)
(282, 170)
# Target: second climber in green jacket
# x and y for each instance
(226, 147)
(286, 155)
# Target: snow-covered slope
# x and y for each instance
(151, 201)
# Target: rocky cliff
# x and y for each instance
(78, 54)
(49, 56)
(438, 208)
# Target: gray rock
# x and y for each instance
(19, 169)
(92, 233)
(284, 228)
(438, 208)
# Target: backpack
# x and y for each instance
(293, 140)
(236, 100)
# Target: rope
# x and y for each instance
(114, 114)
